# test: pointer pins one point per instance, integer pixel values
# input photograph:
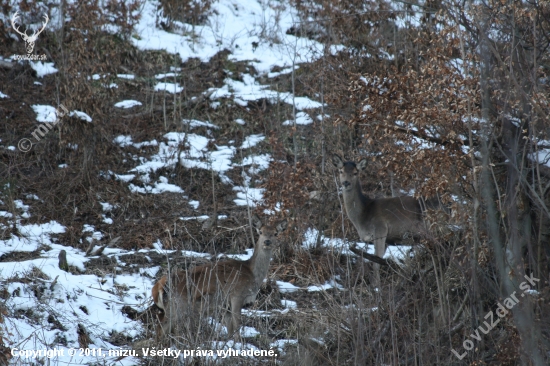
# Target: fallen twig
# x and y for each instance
(370, 257)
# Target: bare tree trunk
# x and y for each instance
(510, 231)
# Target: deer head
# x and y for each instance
(267, 233)
(29, 40)
(348, 171)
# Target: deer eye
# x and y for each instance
(276, 234)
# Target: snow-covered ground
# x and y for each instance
(47, 312)
(56, 303)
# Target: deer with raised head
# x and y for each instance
(228, 284)
(380, 220)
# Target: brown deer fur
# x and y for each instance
(229, 282)
(380, 220)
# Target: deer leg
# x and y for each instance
(380, 246)
(234, 321)
(379, 250)
(165, 322)
(228, 322)
(161, 332)
(176, 317)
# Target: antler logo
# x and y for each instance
(29, 40)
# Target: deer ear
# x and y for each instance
(337, 161)
(282, 226)
(256, 222)
(362, 164)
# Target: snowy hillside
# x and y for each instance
(53, 309)
(139, 136)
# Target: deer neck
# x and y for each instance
(259, 264)
(356, 202)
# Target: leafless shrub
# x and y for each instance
(193, 12)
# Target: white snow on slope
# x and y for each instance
(95, 301)
(235, 26)
(127, 104)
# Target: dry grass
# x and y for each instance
(425, 307)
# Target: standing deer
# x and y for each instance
(215, 286)
(378, 220)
